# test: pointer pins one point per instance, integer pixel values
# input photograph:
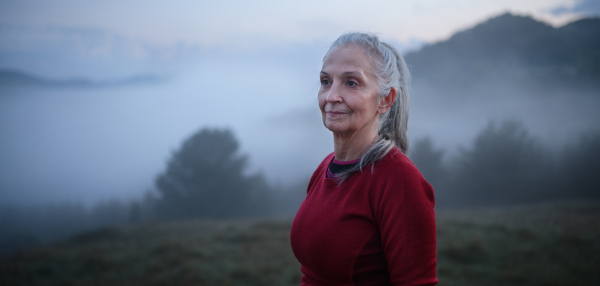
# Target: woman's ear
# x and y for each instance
(386, 102)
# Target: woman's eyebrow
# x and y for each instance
(346, 73)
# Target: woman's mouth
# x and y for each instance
(334, 113)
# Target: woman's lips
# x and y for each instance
(336, 112)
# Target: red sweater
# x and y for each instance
(377, 228)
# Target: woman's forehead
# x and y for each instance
(348, 58)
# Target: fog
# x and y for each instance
(95, 143)
(80, 130)
(85, 144)
(453, 121)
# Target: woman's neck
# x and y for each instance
(351, 147)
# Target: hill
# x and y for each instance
(15, 78)
(514, 51)
(536, 245)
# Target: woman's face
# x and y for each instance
(348, 95)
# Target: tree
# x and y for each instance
(205, 178)
(579, 168)
(429, 162)
(505, 166)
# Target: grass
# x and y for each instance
(541, 245)
(176, 253)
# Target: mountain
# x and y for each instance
(515, 50)
(10, 77)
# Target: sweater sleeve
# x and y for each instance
(406, 221)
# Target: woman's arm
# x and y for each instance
(406, 221)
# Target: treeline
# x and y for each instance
(507, 166)
(207, 178)
(22, 227)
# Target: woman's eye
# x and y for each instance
(352, 83)
(324, 82)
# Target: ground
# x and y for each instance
(553, 244)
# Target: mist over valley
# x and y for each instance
(84, 140)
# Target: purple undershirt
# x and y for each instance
(331, 175)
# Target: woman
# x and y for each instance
(368, 215)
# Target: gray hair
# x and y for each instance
(392, 72)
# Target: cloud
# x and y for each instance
(583, 7)
(63, 52)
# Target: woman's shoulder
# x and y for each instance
(397, 172)
(396, 167)
(397, 160)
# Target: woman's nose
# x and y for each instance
(334, 94)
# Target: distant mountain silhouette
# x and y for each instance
(18, 78)
(515, 50)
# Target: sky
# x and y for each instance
(251, 66)
(259, 23)
(120, 38)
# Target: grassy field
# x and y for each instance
(539, 245)
(542, 245)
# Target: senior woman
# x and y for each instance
(368, 216)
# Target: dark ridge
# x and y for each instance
(588, 26)
(517, 48)
(13, 77)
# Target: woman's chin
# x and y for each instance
(336, 128)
